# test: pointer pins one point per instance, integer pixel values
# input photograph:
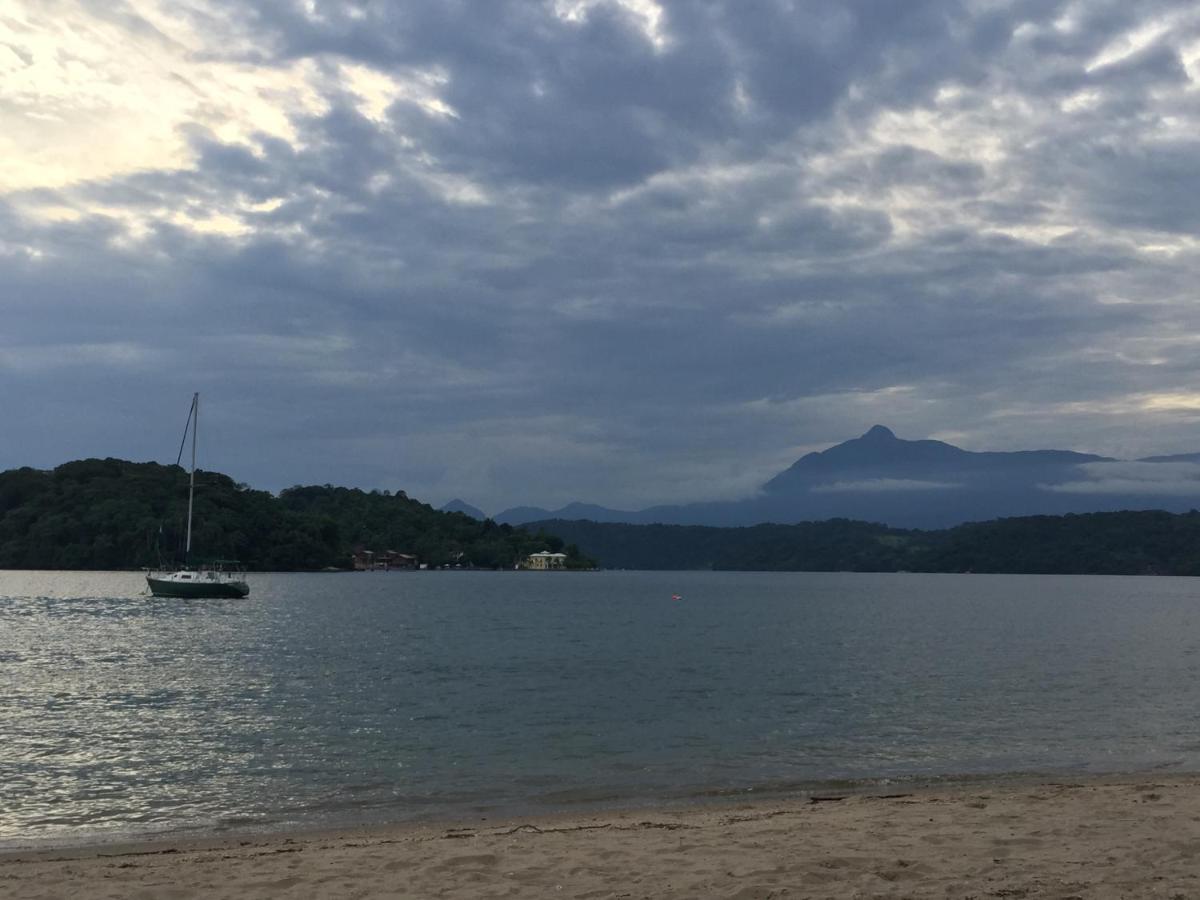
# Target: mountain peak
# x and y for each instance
(879, 433)
(462, 506)
(878, 453)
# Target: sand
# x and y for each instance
(1103, 838)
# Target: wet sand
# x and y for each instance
(1134, 837)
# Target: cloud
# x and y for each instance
(883, 485)
(1172, 479)
(654, 249)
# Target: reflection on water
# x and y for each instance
(389, 696)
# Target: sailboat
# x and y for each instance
(210, 581)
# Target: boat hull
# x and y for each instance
(200, 589)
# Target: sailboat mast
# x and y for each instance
(192, 478)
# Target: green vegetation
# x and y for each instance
(113, 514)
(1111, 543)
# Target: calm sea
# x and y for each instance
(381, 697)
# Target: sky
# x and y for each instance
(622, 251)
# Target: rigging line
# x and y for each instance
(186, 426)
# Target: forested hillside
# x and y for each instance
(1115, 543)
(114, 514)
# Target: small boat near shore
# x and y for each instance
(206, 582)
(212, 581)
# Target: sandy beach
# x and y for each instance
(1099, 838)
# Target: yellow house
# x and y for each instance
(546, 560)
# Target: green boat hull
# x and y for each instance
(201, 589)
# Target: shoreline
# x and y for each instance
(83, 839)
(1134, 834)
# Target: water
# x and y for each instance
(335, 699)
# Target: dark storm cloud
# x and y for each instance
(626, 266)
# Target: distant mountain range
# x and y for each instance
(879, 477)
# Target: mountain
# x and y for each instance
(880, 454)
(520, 515)
(932, 484)
(1178, 457)
(879, 477)
(462, 506)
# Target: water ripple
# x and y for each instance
(344, 698)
